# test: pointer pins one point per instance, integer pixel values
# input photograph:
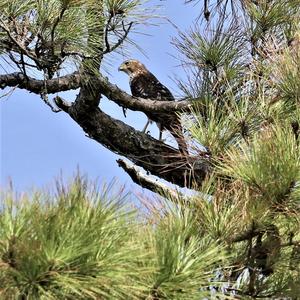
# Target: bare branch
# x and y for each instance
(18, 79)
(56, 22)
(119, 42)
(106, 31)
(149, 183)
(206, 11)
(20, 47)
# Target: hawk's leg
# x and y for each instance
(160, 134)
(147, 124)
(159, 125)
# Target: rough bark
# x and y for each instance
(143, 150)
(50, 86)
(150, 183)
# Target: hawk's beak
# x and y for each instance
(122, 67)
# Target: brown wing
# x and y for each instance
(148, 86)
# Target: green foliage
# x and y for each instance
(77, 245)
(50, 35)
(87, 244)
(185, 261)
(218, 126)
(243, 71)
(286, 72)
(270, 164)
(267, 17)
(218, 55)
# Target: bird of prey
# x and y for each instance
(144, 84)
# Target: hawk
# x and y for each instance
(144, 84)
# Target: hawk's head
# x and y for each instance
(133, 67)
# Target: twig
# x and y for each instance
(107, 46)
(206, 11)
(55, 25)
(9, 93)
(45, 98)
(23, 65)
(14, 60)
(119, 42)
(123, 38)
(21, 48)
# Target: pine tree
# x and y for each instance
(238, 235)
(244, 76)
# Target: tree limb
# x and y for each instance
(18, 79)
(143, 150)
(111, 91)
(149, 183)
(62, 104)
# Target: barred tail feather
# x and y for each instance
(177, 133)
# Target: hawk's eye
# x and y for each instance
(126, 63)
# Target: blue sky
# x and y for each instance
(38, 145)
